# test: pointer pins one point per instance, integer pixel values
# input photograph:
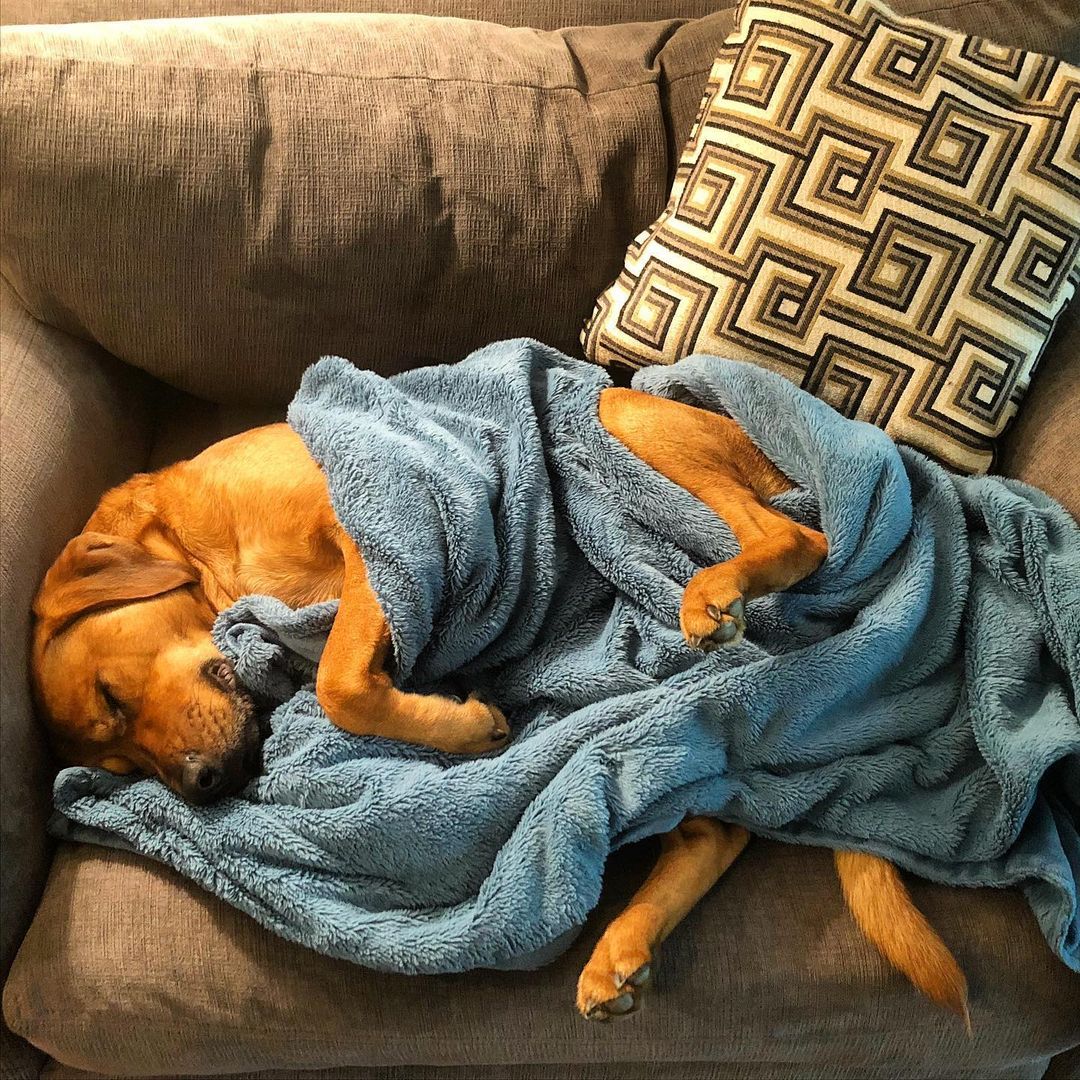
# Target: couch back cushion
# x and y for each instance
(221, 201)
(544, 14)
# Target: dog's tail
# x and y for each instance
(886, 914)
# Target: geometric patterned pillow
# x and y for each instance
(885, 211)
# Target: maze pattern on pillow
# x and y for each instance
(885, 211)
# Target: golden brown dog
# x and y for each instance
(128, 678)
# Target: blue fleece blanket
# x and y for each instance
(916, 697)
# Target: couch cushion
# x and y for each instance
(128, 968)
(881, 209)
(222, 201)
(1037, 1069)
(543, 14)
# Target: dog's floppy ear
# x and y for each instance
(96, 571)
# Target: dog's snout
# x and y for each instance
(206, 777)
(202, 780)
(221, 673)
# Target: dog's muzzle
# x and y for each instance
(206, 777)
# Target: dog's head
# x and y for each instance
(127, 676)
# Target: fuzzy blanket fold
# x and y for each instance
(916, 697)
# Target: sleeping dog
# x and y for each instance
(128, 679)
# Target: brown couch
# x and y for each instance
(192, 212)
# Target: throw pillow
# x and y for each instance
(883, 210)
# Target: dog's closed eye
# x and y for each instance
(112, 702)
(111, 723)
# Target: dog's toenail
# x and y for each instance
(714, 613)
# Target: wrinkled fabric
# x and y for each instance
(915, 697)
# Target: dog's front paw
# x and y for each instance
(713, 613)
(471, 727)
(610, 985)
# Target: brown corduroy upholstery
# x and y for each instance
(131, 968)
(397, 190)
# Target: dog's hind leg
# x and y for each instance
(692, 857)
(713, 458)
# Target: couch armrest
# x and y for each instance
(75, 421)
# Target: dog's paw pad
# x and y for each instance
(715, 626)
(618, 1006)
(604, 993)
(640, 978)
(730, 622)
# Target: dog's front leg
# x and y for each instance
(692, 857)
(355, 691)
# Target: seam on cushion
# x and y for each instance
(97, 61)
(39, 322)
(19, 296)
(248, 71)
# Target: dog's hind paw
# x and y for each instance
(712, 617)
(610, 986)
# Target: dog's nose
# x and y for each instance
(202, 780)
